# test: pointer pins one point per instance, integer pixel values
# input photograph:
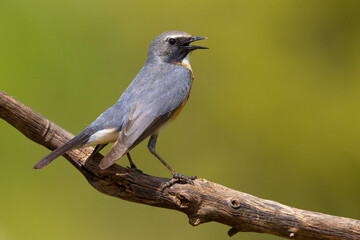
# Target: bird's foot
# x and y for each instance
(178, 178)
(133, 168)
(132, 165)
(183, 178)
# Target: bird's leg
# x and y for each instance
(177, 177)
(96, 150)
(132, 164)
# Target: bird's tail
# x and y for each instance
(77, 141)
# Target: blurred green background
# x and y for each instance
(274, 110)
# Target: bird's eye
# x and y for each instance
(172, 41)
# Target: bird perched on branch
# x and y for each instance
(153, 99)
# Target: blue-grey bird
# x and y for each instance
(153, 99)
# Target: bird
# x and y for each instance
(153, 99)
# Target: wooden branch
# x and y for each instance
(202, 202)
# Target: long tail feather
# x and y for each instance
(73, 143)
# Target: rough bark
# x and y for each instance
(202, 201)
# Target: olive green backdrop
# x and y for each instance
(274, 110)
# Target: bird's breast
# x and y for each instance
(182, 105)
(178, 109)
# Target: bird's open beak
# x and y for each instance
(193, 47)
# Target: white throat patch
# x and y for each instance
(186, 60)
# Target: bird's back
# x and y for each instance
(157, 89)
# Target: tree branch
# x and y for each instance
(202, 202)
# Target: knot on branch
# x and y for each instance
(292, 232)
(182, 200)
(194, 221)
(235, 203)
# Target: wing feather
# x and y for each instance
(153, 109)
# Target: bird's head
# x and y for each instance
(173, 46)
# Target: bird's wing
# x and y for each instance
(149, 114)
(137, 128)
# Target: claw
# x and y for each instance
(183, 177)
(178, 178)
